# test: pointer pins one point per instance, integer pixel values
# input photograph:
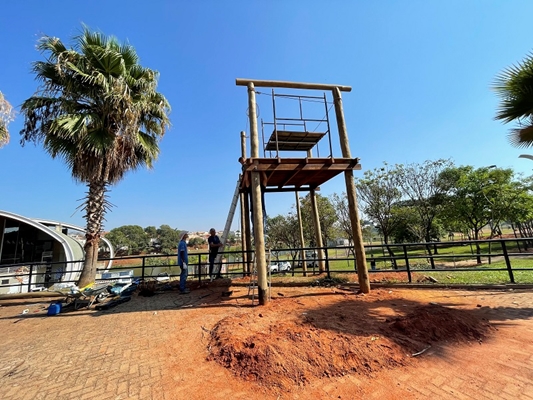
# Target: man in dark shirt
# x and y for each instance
(183, 262)
(214, 245)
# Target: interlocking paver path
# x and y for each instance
(125, 352)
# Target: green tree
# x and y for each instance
(422, 185)
(151, 232)
(514, 86)
(476, 198)
(283, 232)
(520, 214)
(379, 193)
(406, 224)
(7, 114)
(197, 241)
(344, 223)
(168, 238)
(132, 237)
(327, 219)
(97, 109)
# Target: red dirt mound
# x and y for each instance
(292, 353)
(282, 344)
(435, 324)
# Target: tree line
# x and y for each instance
(134, 239)
(419, 202)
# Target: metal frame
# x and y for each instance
(299, 122)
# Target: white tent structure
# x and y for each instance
(53, 250)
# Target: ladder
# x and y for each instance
(253, 280)
(227, 227)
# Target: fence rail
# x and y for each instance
(403, 258)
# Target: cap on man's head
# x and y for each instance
(212, 230)
(182, 234)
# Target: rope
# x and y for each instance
(323, 119)
(257, 111)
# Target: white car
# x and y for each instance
(284, 266)
(273, 268)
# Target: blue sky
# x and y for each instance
(421, 73)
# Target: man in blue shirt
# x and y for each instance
(214, 245)
(183, 262)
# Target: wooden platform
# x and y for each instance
(293, 141)
(289, 174)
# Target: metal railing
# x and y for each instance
(407, 258)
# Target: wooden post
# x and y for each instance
(245, 218)
(259, 240)
(302, 241)
(245, 269)
(360, 257)
(259, 237)
(248, 230)
(252, 115)
(243, 145)
(318, 232)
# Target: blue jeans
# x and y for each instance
(183, 276)
(211, 265)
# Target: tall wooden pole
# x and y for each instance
(315, 215)
(259, 237)
(252, 115)
(360, 257)
(248, 230)
(245, 269)
(242, 199)
(318, 231)
(300, 226)
(245, 218)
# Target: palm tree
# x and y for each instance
(99, 111)
(6, 116)
(514, 86)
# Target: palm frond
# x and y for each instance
(514, 86)
(97, 109)
(51, 45)
(129, 55)
(7, 114)
(522, 137)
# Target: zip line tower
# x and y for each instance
(293, 174)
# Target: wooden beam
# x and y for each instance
(291, 85)
(306, 167)
(297, 160)
(286, 181)
(291, 189)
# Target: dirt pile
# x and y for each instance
(292, 353)
(434, 323)
(285, 344)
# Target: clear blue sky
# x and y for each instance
(421, 73)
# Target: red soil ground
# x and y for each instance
(295, 341)
(307, 343)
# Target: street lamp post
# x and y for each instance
(528, 156)
(491, 224)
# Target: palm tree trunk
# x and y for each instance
(95, 209)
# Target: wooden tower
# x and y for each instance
(278, 174)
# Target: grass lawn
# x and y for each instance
(456, 268)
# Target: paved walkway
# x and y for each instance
(122, 353)
(500, 368)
